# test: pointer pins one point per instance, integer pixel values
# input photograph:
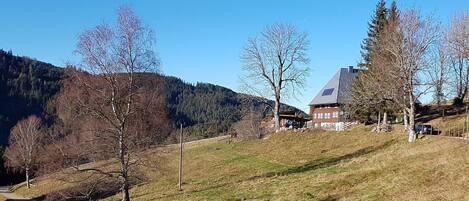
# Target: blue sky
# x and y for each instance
(201, 41)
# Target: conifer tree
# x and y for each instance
(375, 27)
(372, 92)
(393, 13)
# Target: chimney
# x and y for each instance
(350, 69)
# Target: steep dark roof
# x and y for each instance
(335, 91)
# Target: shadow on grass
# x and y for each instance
(428, 113)
(330, 198)
(33, 199)
(325, 162)
(313, 165)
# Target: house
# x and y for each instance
(292, 119)
(326, 108)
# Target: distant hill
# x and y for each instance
(206, 110)
(26, 85)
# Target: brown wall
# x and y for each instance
(324, 109)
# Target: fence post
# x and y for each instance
(181, 141)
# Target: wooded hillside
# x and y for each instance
(206, 110)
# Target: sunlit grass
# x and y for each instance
(352, 165)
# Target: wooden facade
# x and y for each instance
(326, 109)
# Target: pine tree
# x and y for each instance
(375, 27)
(393, 12)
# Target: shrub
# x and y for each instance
(249, 127)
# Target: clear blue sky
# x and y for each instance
(201, 41)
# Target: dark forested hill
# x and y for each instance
(25, 87)
(206, 110)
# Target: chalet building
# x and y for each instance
(292, 119)
(326, 109)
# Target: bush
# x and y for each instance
(249, 127)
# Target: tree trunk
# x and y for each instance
(378, 128)
(406, 123)
(385, 119)
(123, 168)
(277, 113)
(125, 190)
(28, 184)
(411, 128)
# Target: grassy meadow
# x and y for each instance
(351, 165)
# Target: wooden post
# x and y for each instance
(181, 143)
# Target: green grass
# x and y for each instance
(352, 165)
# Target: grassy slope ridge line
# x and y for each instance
(353, 165)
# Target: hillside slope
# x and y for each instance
(27, 85)
(354, 165)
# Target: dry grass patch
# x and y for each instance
(352, 165)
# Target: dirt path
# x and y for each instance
(195, 142)
(5, 192)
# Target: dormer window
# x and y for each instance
(327, 92)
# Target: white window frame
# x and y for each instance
(335, 115)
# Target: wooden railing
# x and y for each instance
(460, 130)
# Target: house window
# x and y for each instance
(327, 115)
(315, 116)
(335, 115)
(320, 115)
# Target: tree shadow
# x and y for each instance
(32, 199)
(19, 199)
(428, 113)
(196, 190)
(329, 198)
(313, 165)
(325, 162)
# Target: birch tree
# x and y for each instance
(409, 45)
(458, 48)
(275, 64)
(23, 145)
(116, 55)
(439, 72)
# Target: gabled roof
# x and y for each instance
(335, 91)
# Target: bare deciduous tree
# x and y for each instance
(249, 127)
(23, 144)
(276, 64)
(458, 48)
(409, 46)
(112, 99)
(439, 72)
